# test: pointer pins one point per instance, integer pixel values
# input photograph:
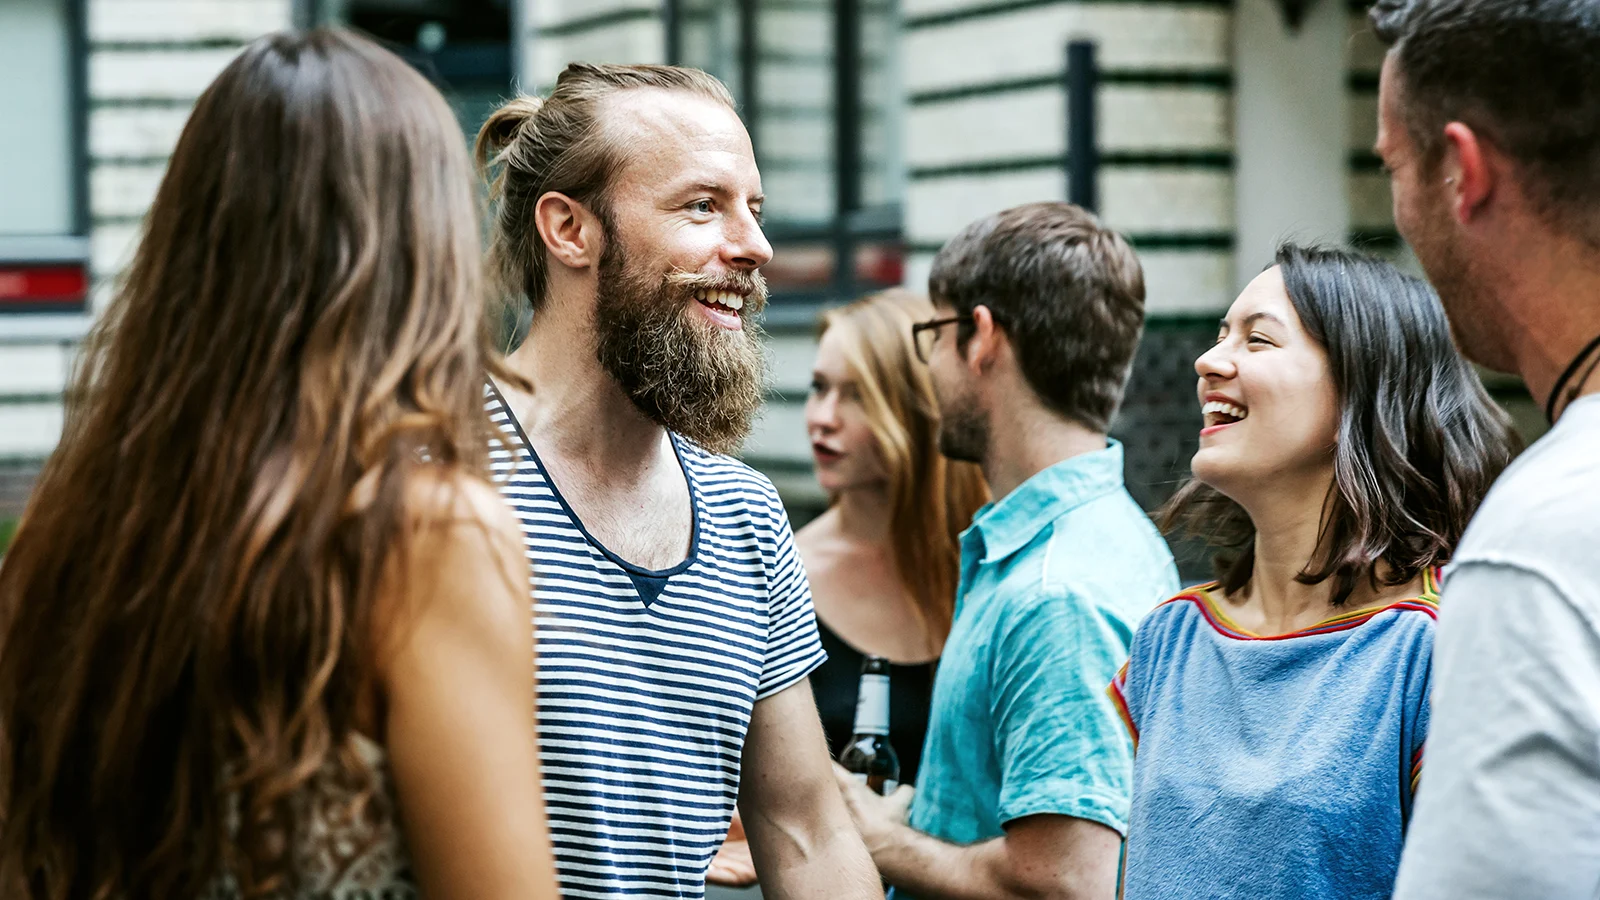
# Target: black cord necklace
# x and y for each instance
(1572, 369)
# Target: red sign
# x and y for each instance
(49, 286)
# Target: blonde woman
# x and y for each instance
(884, 558)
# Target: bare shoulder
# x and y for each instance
(464, 561)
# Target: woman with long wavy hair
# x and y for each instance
(883, 560)
(264, 628)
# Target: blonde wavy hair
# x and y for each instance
(931, 499)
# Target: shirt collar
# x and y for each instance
(1002, 528)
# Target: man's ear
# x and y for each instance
(986, 343)
(570, 231)
(1471, 171)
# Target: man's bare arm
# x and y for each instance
(800, 834)
(1044, 857)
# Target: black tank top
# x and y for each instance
(836, 682)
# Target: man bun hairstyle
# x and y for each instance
(1521, 74)
(562, 143)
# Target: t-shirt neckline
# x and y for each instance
(577, 522)
(1204, 597)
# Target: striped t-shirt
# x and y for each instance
(647, 677)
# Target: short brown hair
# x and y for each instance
(1068, 292)
(560, 143)
(1520, 73)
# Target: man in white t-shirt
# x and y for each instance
(1489, 122)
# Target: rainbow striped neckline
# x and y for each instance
(1201, 597)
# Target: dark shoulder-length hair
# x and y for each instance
(1419, 440)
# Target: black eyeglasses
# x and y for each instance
(924, 334)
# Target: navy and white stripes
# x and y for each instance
(647, 678)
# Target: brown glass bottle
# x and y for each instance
(869, 755)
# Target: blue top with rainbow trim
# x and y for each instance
(1274, 767)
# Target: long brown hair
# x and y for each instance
(931, 499)
(187, 611)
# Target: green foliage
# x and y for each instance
(8, 527)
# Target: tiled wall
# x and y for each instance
(599, 31)
(986, 127)
(1371, 216)
(148, 61)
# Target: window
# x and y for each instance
(43, 163)
(464, 46)
(817, 84)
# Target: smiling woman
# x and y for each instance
(1345, 446)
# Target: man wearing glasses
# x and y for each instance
(1025, 778)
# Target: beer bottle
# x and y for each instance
(869, 755)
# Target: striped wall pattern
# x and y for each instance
(148, 61)
(1371, 214)
(598, 31)
(986, 127)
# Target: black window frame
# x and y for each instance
(854, 225)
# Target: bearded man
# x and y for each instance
(673, 620)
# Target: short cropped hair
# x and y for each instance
(1067, 291)
(1521, 73)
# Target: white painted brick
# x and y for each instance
(1161, 118)
(1365, 50)
(789, 359)
(111, 248)
(796, 31)
(881, 183)
(780, 434)
(30, 429)
(176, 74)
(1160, 200)
(1030, 123)
(1031, 42)
(1363, 121)
(938, 208)
(1187, 281)
(123, 190)
(144, 21)
(101, 292)
(1023, 124)
(630, 42)
(805, 138)
(1371, 208)
(555, 12)
(1132, 200)
(32, 368)
(918, 265)
(792, 84)
(916, 9)
(135, 132)
(797, 196)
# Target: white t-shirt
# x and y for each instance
(1509, 802)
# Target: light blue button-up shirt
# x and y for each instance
(1054, 579)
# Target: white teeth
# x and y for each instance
(721, 298)
(1221, 406)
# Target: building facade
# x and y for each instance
(881, 127)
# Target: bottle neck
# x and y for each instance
(872, 704)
